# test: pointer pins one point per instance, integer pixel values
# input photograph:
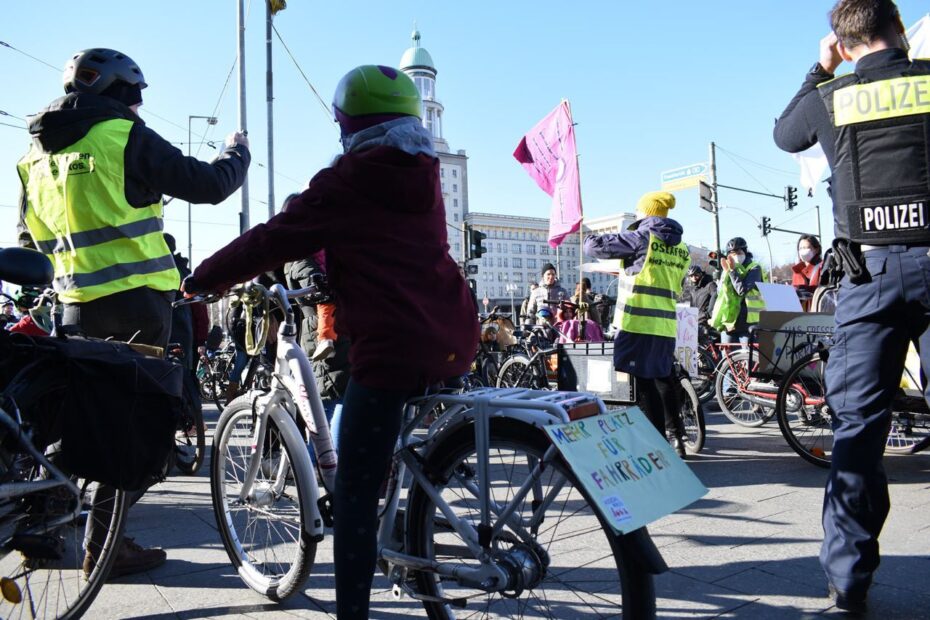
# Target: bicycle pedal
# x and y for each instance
(325, 504)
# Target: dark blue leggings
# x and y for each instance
(370, 424)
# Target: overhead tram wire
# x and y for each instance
(12, 125)
(749, 174)
(147, 111)
(323, 104)
(755, 163)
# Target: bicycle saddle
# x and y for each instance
(25, 267)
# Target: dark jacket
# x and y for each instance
(703, 296)
(401, 300)
(641, 355)
(153, 167)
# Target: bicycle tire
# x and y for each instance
(580, 552)
(45, 584)
(737, 408)
(692, 416)
(801, 410)
(276, 577)
(190, 439)
(517, 371)
(704, 382)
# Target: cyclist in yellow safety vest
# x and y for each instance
(654, 262)
(93, 182)
(738, 300)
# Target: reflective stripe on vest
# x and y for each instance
(646, 301)
(78, 216)
(879, 184)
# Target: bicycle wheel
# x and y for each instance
(739, 407)
(801, 408)
(190, 439)
(703, 382)
(264, 534)
(517, 371)
(573, 560)
(692, 416)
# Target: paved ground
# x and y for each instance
(747, 550)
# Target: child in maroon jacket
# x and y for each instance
(379, 215)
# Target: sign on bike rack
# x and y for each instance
(631, 473)
(785, 337)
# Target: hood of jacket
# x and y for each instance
(666, 229)
(392, 179)
(68, 119)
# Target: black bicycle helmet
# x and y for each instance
(736, 243)
(695, 270)
(95, 70)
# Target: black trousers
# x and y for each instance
(658, 398)
(121, 315)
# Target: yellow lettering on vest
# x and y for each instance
(894, 98)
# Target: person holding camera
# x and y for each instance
(738, 299)
(873, 125)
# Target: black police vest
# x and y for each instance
(881, 173)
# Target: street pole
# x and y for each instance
(270, 96)
(819, 234)
(211, 120)
(713, 184)
(243, 125)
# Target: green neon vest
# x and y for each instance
(78, 216)
(726, 308)
(646, 301)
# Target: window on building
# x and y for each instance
(455, 172)
(517, 277)
(544, 250)
(500, 275)
(516, 248)
(443, 188)
(442, 172)
(531, 263)
(505, 262)
(455, 187)
(500, 247)
(458, 248)
(455, 203)
(518, 263)
(530, 249)
(500, 261)
(455, 217)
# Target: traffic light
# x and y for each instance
(766, 226)
(476, 250)
(791, 197)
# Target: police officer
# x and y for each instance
(93, 181)
(738, 299)
(873, 126)
(654, 263)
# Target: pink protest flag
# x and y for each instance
(548, 154)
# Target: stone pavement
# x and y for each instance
(747, 550)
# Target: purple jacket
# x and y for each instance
(631, 245)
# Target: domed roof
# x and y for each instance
(416, 56)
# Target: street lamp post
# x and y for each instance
(211, 120)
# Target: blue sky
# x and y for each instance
(651, 85)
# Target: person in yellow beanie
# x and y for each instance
(653, 264)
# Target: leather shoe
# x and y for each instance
(130, 559)
(853, 606)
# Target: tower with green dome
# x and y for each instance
(418, 64)
(453, 166)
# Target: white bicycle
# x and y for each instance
(494, 523)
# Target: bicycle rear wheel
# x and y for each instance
(264, 534)
(518, 371)
(574, 563)
(703, 382)
(692, 416)
(801, 409)
(190, 439)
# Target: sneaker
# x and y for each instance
(325, 349)
(853, 606)
(130, 559)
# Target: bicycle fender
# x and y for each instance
(286, 426)
(638, 547)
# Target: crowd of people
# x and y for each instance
(396, 289)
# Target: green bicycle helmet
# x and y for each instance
(97, 69)
(372, 94)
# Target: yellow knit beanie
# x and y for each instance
(656, 203)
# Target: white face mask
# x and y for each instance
(806, 255)
(739, 258)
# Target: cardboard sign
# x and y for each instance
(797, 334)
(631, 472)
(686, 341)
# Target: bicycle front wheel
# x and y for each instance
(263, 533)
(518, 371)
(739, 406)
(801, 408)
(573, 565)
